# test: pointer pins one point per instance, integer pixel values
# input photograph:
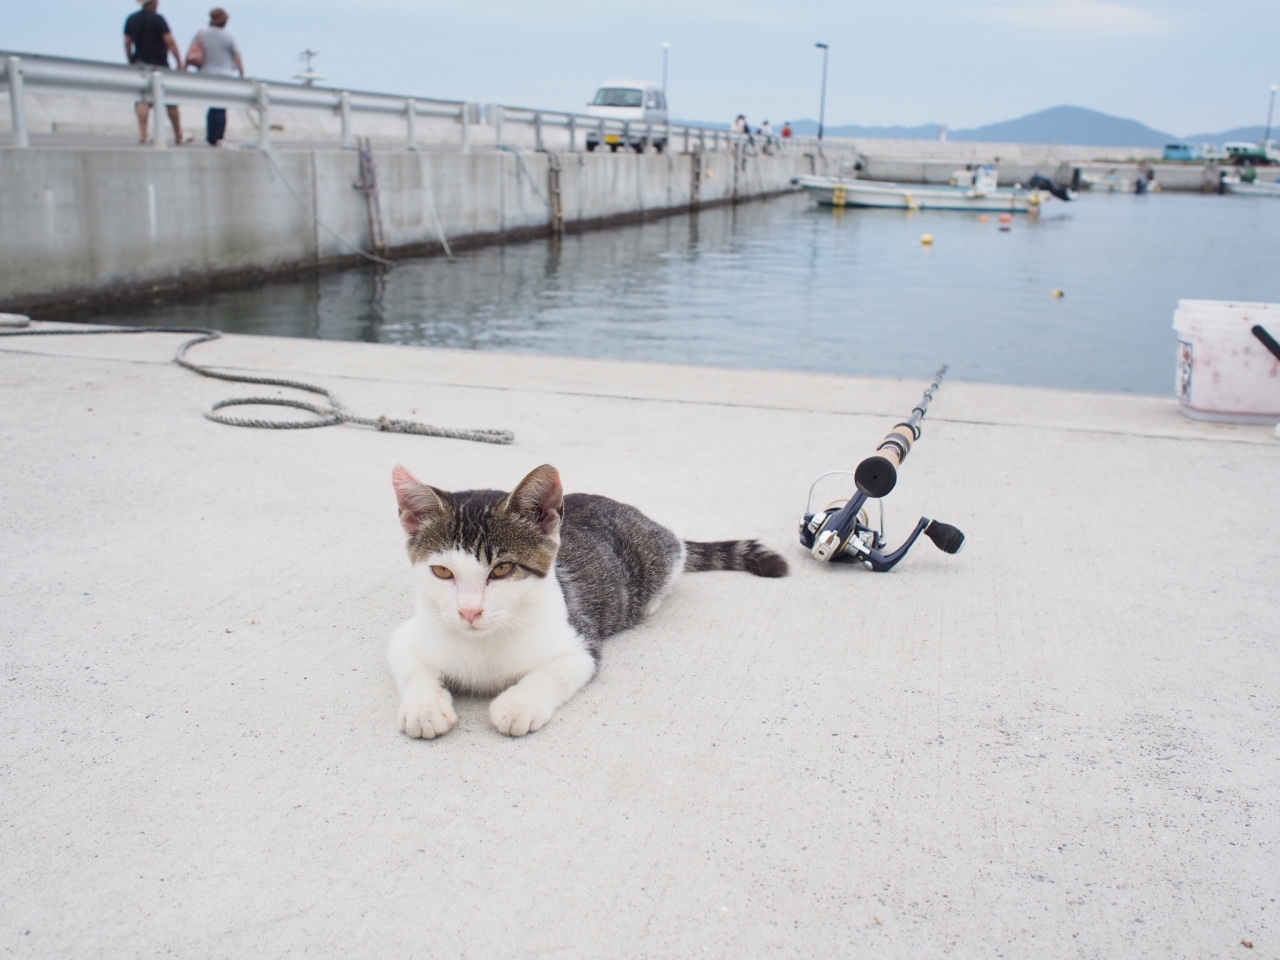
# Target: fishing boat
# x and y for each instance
(983, 195)
(1111, 182)
(1255, 188)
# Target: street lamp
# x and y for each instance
(1270, 107)
(822, 107)
(666, 48)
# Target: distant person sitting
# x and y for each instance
(214, 51)
(786, 131)
(766, 131)
(147, 40)
(740, 124)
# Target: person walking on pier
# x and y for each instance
(147, 39)
(215, 53)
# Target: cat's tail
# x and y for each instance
(748, 555)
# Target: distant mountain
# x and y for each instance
(1056, 125)
(1065, 124)
(809, 128)
(1247, 134)
(1068, 125)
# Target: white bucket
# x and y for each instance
(1224, 372)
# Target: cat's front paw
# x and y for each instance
(428, 715)
(516, 712)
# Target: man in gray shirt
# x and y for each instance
(221, 57)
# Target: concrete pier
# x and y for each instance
(1060, 742)
(95, 222)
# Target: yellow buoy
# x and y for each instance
(1059, 294)
(927, 239)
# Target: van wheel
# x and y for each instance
(659, 146)
(638, 146)
(613, 148)
(591, 146)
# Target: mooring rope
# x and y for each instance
(533, 184)
(327, 416)
(315, 216)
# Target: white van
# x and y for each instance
(643, 104)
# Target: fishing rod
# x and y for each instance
(842, 530)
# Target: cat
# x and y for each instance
(516, 590)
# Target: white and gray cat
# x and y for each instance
(516, 590)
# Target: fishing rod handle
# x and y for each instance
(877, 475)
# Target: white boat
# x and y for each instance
(982, 196)
(1258, 188)
(1111, 183)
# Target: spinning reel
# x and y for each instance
(842, 530)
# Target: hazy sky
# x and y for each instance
(1183, 66)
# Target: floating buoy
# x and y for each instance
(927, 239)
(1006, 218)
(983, 219)
(1059, 294)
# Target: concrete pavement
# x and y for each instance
(1062, 742)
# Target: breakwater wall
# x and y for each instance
(88, 224)
(1019, 169)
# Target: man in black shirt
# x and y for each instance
(147, 40)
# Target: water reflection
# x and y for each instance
(786, 285)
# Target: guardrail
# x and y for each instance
(86, 78)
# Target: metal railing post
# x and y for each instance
(702, 140)
(573, 133)
(464, 117)
(499, 117)
(686, 139)
(411, 122)
(537, 133)
(264, 115)
(158, 111)
(626, 134)
(17, 102)
(601, 137)
(344, 109)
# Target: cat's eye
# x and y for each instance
(501, 570)
(444, 573)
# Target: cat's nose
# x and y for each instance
(471, 614)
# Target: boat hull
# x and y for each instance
(1258, 188)
(834, 192)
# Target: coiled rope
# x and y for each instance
(330, 414)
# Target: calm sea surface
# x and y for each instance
(788, 285)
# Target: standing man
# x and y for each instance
(147, 40)
(221, 58)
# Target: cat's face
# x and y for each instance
(480, 556)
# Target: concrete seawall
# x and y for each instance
(103, 222)
(1019, 169)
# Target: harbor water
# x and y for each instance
(785, 284)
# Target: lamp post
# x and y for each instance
(1270, 107)
(666, 48)
(822, 106)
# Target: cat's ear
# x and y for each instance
(540, 498)
(419, 504)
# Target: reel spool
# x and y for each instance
(842, 530)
